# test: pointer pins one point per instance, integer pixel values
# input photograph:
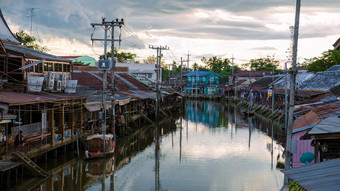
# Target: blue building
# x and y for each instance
(204, 82)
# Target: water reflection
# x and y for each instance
(221, 150)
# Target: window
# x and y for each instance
(56, 67)
(60, 67)
(65, 67)
(149, 75)
(45, 66)
(50, 67)
(211, 79)
(38, 68)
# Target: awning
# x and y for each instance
(317, 176)
(32, 64)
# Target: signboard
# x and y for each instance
(270, 92)
(104, 64)
(231, 80)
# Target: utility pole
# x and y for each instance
(288, 155)
(197, 77)
(188, 58)
(181, 84)
(158, 66)
(286, 74)
(107, 26)
(31, 16)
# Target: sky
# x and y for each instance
(201, 28)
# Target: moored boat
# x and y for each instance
(96, 146)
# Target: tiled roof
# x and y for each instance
(323, 80)
(309, 119)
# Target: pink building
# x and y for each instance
(301, 145)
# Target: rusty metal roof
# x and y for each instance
(317, 176)
(17, 98)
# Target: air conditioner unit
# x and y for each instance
(50, 81)
(63, 81)
(58, 86)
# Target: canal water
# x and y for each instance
(210, 147)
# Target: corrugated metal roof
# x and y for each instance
(16, 98)
(301, 77)
(6, 33)
(244, 73)
(327, 126)
(335, 90)
(123, 81)
(317, 176)
(34, 53)
(266, 81)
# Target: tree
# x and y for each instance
(220, 66)
(326, 60)
(29, 41)
(263, 64)
(216, 64)
(151, 59)
(121, 56)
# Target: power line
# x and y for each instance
(159, 56)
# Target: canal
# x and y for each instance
(210, 147)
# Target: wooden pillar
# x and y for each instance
(316, 151)
(51, 123)
(8, 178)
(62, 121)
(72, 118)
(81, 115)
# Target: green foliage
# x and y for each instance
(29, 41)
(220, 66)
(326, 60)
(81, 62)
(121, 56)
(263, 64)
(294, 186)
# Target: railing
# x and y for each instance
(29, 129)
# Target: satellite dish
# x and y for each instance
(307, 158)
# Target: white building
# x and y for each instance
(141, 70)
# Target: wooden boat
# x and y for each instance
(96, 146)
(96, 167)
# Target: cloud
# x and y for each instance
(181, 24)
(263, 48)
